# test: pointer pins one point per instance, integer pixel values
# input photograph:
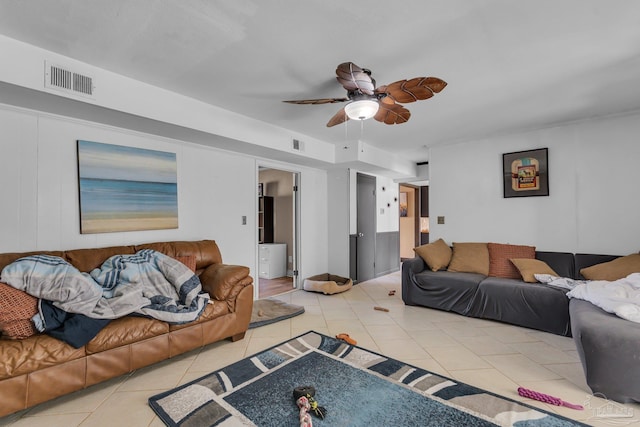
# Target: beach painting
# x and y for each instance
(126, 188)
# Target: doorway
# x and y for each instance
(414, 224)
(409, 220)
(277, 231)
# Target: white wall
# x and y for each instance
(388, 203)
(593, 180)
(387, 217)
(39, 192)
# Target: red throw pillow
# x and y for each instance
(16, 310)
(500, 255)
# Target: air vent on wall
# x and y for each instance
(297, 145)
(61, 78)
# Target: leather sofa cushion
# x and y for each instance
(6, 259)
(126, 330)
(205, 251)
(189, 261)
(24, 356)
(88, 259)
(213, 310)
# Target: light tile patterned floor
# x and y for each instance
(490, 355)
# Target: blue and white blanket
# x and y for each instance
(148, 283)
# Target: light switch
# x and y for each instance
(440, 220)
(244, 220)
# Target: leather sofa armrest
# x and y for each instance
(224, 282)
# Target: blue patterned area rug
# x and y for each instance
(357, 387)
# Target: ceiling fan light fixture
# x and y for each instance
(361, 110)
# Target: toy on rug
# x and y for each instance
(304, 397)
(305, 418)
(525, 392)
(346, 338)
(327, 284)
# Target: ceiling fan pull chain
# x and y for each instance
(346, 133)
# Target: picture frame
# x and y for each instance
(124, 188)
(260, 189)
(526, 173)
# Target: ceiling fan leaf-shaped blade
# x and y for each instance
(393, 114)
(317, 101)
(387, 100)
(353, 78)
(381, 89)
(435, 84)
(416, 89)
(339, 117)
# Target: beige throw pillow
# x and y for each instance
(528, 267)
(470, 258)
(613, 270)
(437, 254)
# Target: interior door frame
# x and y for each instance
(296, 221)
(415, 212)
(360, 215)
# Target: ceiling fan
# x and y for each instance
(382, 103)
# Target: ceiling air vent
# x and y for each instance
(62, 78)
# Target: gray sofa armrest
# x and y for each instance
(414, 265)
(608, 347)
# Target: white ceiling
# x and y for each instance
(510, 65)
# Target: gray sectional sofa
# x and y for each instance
(608, 346)
(532, 305)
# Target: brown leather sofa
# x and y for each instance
(40, 368)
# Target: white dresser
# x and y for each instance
(273, 260)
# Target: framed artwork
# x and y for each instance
(404, 205)
(526, 173)
(126, 189)
(260, 189)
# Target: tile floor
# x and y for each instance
(490, 355)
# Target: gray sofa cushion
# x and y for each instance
(532, 305)
(609, 350)
(444, 290)
(561, 262)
